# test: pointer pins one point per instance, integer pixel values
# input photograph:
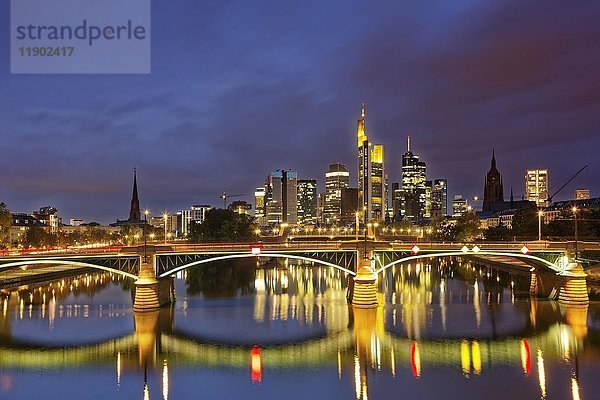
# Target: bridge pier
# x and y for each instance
(151, 293)
(364, 293)
(568, 287)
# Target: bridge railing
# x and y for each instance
(264, 246)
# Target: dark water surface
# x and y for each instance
(449, 330)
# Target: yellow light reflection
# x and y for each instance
(465, 358)
(476, 355)
(165, 380)
(118, 369)
(575, 389)
(541, 373)
(393, 362)
(146, 392)
(357, 376)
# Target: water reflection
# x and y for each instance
(271, 322)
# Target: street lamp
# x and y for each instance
(366, 232)
(357, 223)
(540, 215)
(574, 209)
(165, 216)
(146, 212)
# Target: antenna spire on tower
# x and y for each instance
(408, 143)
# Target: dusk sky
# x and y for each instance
(240, 88)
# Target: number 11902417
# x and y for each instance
(46, 51)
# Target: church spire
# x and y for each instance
(134, 211)
(493, 158)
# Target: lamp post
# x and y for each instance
(146, 212)
(540, 215)
(366, 232)
(165, 216)
(574, 209)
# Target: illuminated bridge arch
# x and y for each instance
(542, 261)
(250, 255)
(75, 263)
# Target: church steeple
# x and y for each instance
(493, 191)
(134, 211)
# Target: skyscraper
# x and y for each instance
(307, 201)
(336, 179)
(460, 206)
(536, 186)
(439, 198)
(378, 183)
(259, 206)
(414, 190)
(493, 191)
(581, 194)
(274, 197)
(281, 199)
(364, 166)
(372, 179)
(349, 207)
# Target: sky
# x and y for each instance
(240, 88)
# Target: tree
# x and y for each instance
(5, 223)
(525, 223)
(36, 237)
(223, 226)
(442, 230)
(467, 227)
(498, 233)
(130, 234)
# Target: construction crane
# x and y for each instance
(565, 184)
(226, 196)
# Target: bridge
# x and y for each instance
(555, 268)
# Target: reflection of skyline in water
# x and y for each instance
(416, 332)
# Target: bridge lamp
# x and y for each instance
(415, 249)
(465, 249)
(475, 249)
(524, 249)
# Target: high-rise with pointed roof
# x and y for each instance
(134, 211)
(493, 191)
(364, 166)
(372, 179)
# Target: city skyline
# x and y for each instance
(526, 90)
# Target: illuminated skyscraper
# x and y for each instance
(364, 166)
(378, 183)
(439, 198)
(259, 206)
(372, 179)
(536, 186)
(307, 201)
(413, 197)
(336, 179)
(581, 194)
(281, 199)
